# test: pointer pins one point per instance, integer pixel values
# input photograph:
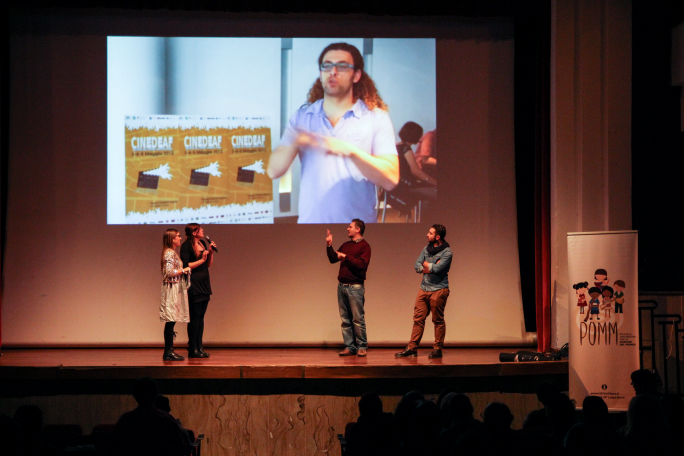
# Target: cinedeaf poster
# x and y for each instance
(182, 169)
(604, 316)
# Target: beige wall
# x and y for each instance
(590, 131)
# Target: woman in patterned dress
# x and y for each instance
(174, 292)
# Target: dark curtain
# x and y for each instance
(532, 161)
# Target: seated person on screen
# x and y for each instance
(410, 134)
(426, 151)
(345, 141)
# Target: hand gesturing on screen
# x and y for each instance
(335, 146)
(327, 144)
(328, 239)
(308, 139)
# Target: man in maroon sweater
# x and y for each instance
(354, 256)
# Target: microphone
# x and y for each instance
(212, 247)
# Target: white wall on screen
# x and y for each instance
(136, 73)
(224, 77)
(404, 73)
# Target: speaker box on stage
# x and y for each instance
(526, 356)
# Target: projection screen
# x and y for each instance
(79, 273)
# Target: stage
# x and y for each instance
(263, 363)
(290, 401)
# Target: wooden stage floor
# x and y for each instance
(263, 363)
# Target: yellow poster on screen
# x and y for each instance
(182, 169)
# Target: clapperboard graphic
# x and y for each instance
(200, 176)
(218, 166)
(150, 179)
(246, 174)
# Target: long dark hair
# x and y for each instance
(364, 89)
(190, 230)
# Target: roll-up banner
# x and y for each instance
(604, 316)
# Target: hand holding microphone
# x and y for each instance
(212, 244)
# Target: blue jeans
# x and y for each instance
(350, 299)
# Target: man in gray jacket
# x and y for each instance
(434, 263)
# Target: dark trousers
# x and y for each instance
(169, 334)
(196, 325)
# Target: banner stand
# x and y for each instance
(603, 316)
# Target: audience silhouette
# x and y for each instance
(418, 426)
(148, 430)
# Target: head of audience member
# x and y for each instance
(409, 402)
(646, 424)
(30, 420)
(411, 133)
(370, 404)
(535, 420)
(162, 403)
(145, 391)
(443, 403)
(560, 411)
(445, 392)
(594, 411)
(460, 408)
(545, 391)
(405, 408)
(584, 439)
(497, 417)
(644, 382)
(427, 421)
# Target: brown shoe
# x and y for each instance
(361, 352)
(436, 353)
(346, 352)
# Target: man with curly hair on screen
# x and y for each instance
(345, 141)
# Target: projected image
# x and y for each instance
(270, 130)
(184, 167)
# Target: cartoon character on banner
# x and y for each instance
(619, 286)
(601, 279)
(581, 292)
(607, 305)
(594, 304)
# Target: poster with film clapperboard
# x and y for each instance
(182, 169)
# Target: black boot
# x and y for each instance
(193, 352)
(199, 341)
(200, 329)
(170, 355)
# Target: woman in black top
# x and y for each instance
(197, 254)
(409, 170)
